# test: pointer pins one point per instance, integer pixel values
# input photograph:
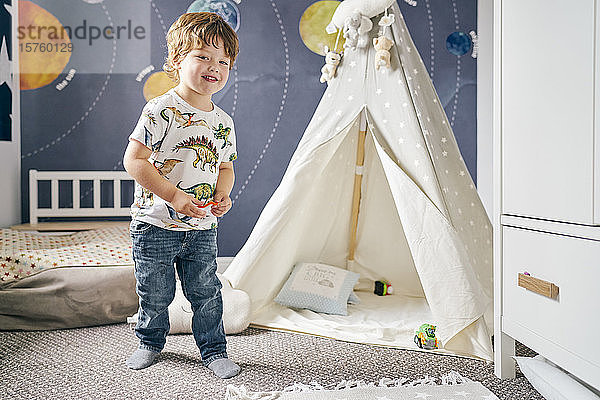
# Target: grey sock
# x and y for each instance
(141, 358)
(224, 368)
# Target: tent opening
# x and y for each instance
(382, 251)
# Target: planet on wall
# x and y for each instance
(43, 53)
(157, 84)
(458, 43)
(225, 8)
(313, 22)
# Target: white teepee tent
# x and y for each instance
(420, 224)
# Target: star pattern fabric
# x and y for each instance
(432, 160)
(23, 254)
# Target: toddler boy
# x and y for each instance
(181, 156)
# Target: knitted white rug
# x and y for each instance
(450, 387)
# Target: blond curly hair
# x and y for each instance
(193, 31)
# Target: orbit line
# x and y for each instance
(90, 108)
(281, 107)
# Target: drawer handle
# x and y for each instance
(539, 286)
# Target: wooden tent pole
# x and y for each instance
(358, 174)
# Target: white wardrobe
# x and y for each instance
(547, 183)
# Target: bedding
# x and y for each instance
(71, 297)
(54, 281)
(24, 254)
(59, 280)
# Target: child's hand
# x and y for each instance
(187, 204)
(224, 204)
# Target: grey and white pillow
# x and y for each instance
(318, 287)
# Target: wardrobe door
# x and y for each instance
(548, 109)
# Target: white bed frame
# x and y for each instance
(76, 177)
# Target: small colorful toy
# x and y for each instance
(425, 337)
(383, 288)
(208, 204)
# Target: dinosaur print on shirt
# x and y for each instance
(187, 147)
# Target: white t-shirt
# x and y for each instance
(188, 145)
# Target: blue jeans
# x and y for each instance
(194, 254)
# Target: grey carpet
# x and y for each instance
(88, 363)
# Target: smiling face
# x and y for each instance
(202, 73)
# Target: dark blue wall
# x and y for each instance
(271, 95)
(5, 58)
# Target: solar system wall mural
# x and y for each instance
(89, 66)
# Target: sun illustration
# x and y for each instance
(44, 46)
(158, 83)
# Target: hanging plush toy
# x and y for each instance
(351, 26)
(382, 43)
(367, 8)
(356, 30)
(382, 56)
(332, 59)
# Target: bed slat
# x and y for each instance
(117, 193)
(76, 194)
(96, 204)
(33, 196)
(54, 194)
